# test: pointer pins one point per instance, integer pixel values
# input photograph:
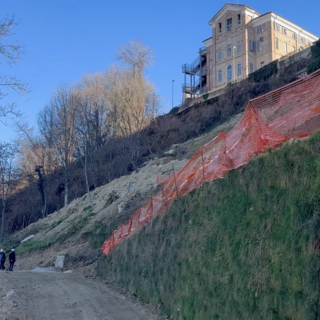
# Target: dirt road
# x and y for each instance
(58, 296)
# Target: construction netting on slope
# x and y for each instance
(292, 111)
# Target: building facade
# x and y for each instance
(242, 41)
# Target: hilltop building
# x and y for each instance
(243, 40)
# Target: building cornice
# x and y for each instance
(231, 7)
(293, 27)
(273, 17)
(207, 42)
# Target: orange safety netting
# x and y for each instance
(292, 111)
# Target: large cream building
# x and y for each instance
(243, 40)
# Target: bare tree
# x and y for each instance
(92, 119)
(83, 143)
(129, 98)
(8, 174)
(136, 56)
(56, 125)
(92, 93)
(10, 53)
(36, 161)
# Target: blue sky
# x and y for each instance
(64, 39)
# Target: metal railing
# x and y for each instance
(203, 50)
(194, 67)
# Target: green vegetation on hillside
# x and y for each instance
(243, 247)
(315, 52)
(265, 72)
(33, 246)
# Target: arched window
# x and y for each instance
(229, 72)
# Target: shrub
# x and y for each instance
(174, 110)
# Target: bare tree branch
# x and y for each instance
(136, 56)
(10, 53)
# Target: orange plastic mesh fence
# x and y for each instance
(292, 111)
(161, 180)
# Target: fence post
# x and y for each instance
(130, 228)
(202, 166)
(151, 206)
(175, 181)
(112, 241)
(139, 225)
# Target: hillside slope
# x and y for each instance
(78, 230)
(239, 248)
(244, 247)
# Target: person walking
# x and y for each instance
(2, 259)
(12, 259)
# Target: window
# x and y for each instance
(251, 67)
(261, 28)
(229, 50)
(261, 64)
(229, 72)
(220, 27)
(294, 36)
(302, 40)
(229, 24)
(239, 47)
(252, 45)
(293, 49)
(276, 43)
(260, 44)
(277, 27)
(220, 76)
(284, 31)
(285, 47)
(239, 69)
(239, 18)
(219, 54)
(211, 64)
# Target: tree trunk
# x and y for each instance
(87, 181)
(66, 187)
(2, 218)
(44, 208)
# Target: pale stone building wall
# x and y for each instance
(243, 41)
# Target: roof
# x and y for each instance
(262, 15)
(207, 39)
(233, 5)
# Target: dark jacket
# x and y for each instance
(2, 256)
(12, 256)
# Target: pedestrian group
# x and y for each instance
(12, 259)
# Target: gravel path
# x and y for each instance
(29, 295)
